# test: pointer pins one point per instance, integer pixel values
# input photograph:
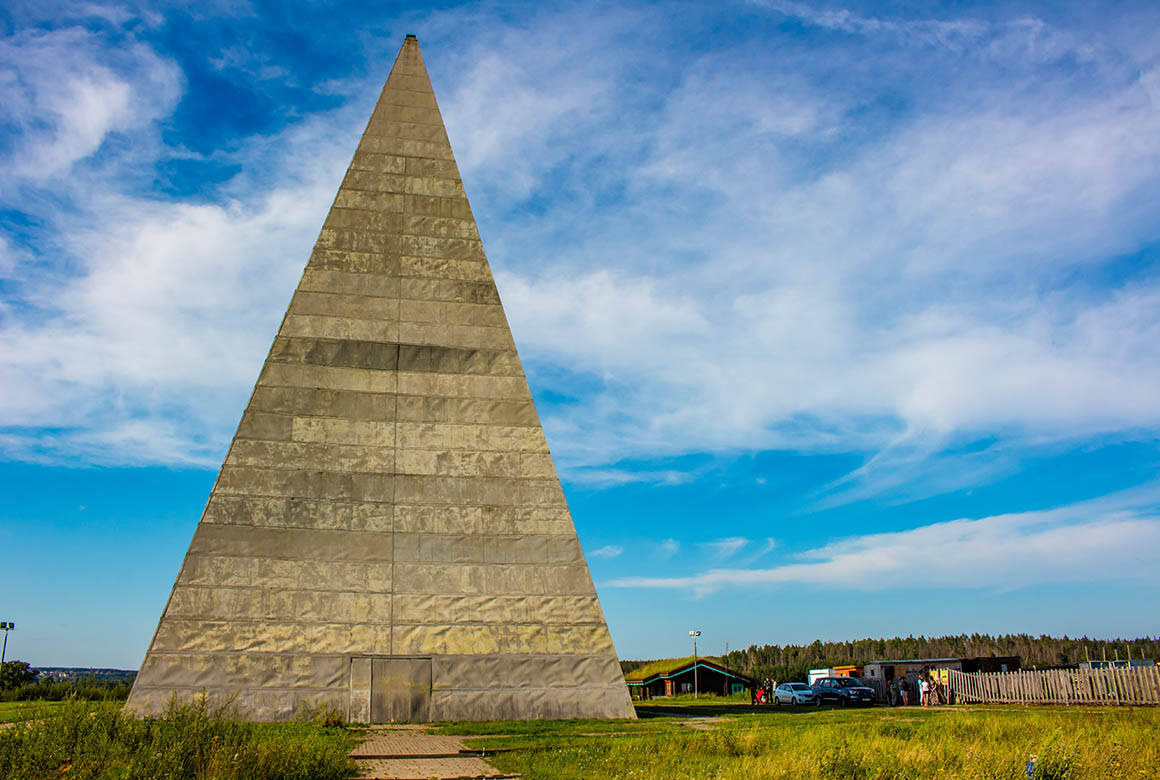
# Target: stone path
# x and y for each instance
(409, 753)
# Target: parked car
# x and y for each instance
(843, 691)
(794, 693)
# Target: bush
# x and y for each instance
(97, 740)
(14, 674)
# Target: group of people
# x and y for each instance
(928, 691)
(763, 693)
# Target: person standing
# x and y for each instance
(904, 686)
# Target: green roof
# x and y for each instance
(667, 665)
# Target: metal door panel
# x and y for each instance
(360, 690)
(400, 690)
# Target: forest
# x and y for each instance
(792, 662)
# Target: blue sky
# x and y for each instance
(843, 319)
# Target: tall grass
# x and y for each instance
(866, 745)
(96, 741)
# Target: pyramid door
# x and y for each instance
(389, 502)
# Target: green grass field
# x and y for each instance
(18, 711)
(913, 743)
(732, 741)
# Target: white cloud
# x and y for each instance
(67, 93)
(721, 549)
(670, 547)
(746, 258)
(1116, 538)
(607, 551)
(138, 342)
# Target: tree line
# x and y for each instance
(20, 682)
(793, 662)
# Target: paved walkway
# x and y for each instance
(410, 753)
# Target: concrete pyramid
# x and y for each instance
(387, 534)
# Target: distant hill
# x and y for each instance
(74, 673)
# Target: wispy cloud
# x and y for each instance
(670, 547)
(1116, 538)
(607, 551)
(721, 549)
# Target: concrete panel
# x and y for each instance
(378, 221)
(383, 163)
(444, 268)
(448, 290)
(440, 169)
(495, 438)
(410, 131)
(370, 201)
(441, 227)
(342, 260)
(339, 328)
(406, 147)
(464, 336)
(373, 181)
(349, 283)
(346, 353)
(460, 464)
(444, 248)
(279, 575)
(359, 380)
(408, 90)
(362, 307)
(291, 543)
(412, 408)
(298, 513)
(360, 241)
(262, 425)
(189, 670)
(333, 430)
(453, 386)
(439, 519)
(435, 206)
(302, 402)
(270, 454)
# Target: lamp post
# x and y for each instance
(696, 688)
(5, 627)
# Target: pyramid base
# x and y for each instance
(281, 687)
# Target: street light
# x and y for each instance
(696, 688)
(5, 627)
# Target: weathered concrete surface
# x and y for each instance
(389, 491)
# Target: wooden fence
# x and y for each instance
(1136, 685)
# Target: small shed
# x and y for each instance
(684, 675)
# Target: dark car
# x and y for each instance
(843, 691)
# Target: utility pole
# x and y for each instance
(696, 687)
(5, 627)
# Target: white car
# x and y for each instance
(794, 693)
